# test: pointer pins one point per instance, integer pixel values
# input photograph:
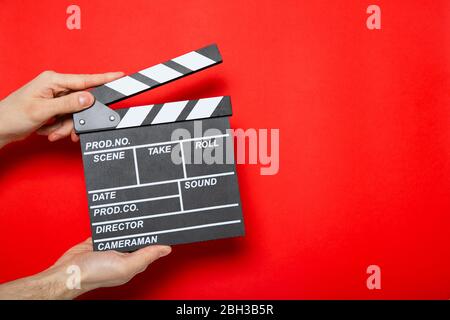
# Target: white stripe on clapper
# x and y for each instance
(134, 116)
(161, 73)
(127, 86)
(194, 61)
(204, 108)
(169, 112)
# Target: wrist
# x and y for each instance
(4, 140)
(60, 282)
(51, 284)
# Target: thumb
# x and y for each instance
(70, 103)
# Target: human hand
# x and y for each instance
(45, 104)
(81, 270)
(106, 268)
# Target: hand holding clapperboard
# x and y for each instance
(137, 194)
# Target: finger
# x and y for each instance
(70, 103)
(49, 128)
(62, 131)
(140, 259)
(74, 136)
(85, 81)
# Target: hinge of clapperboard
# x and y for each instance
(100, 117)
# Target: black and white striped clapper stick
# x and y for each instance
(138, 192)
(174, 112)
(99, 117)
(157, 75)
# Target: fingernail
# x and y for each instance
(164, 251)
(54, 137)
(84, 100)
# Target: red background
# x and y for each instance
(364, 142)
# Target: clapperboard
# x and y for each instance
(145, 183)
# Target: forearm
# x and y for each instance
(3, 140)
(47, 285)
(6, 136)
